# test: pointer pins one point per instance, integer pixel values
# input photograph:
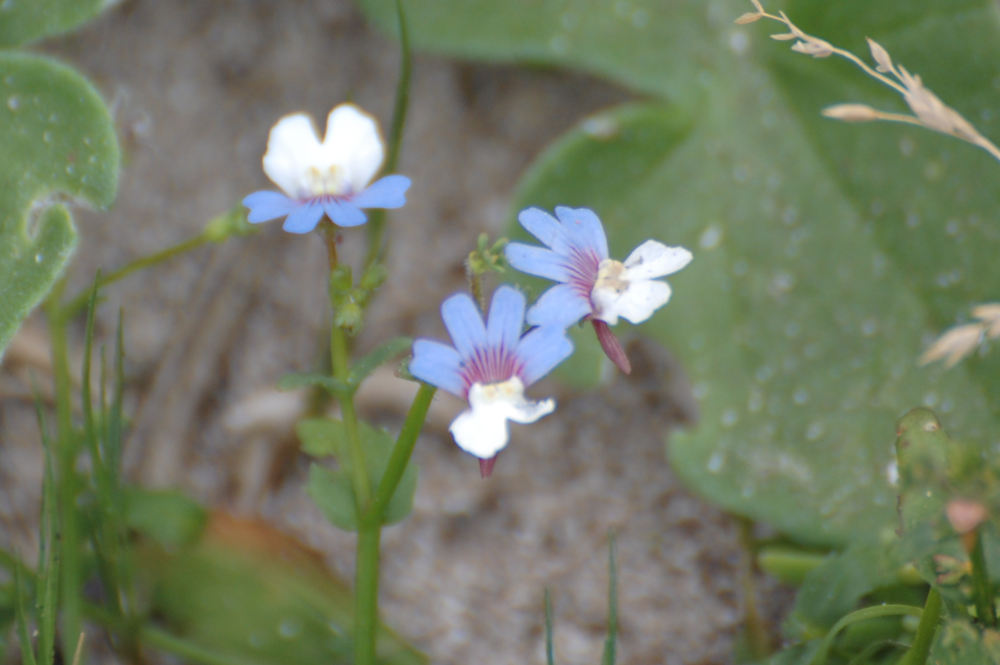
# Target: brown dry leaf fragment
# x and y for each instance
(749, 17)
(851, 112)
(931, 111)
(784, 37)
(817, 48)
(880, 55)
(954, 345)
(989, 314)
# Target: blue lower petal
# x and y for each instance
(344, 213)
(464, 323)
(584, 229)
(304, 218)
(537, 261)
(387, 192)
(541, 350)
(437, 364)
(561, 306)
(267, 205)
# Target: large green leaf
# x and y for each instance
(59, 145)
(332, 489)
(23, 21)
(826, 255)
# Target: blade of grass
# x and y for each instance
(610, 643)
(21, 616)
(47, 579)
(549, 650)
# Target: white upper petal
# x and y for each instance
(654, 259)
(352, 142)
(292, 148)
(345, 161)
(482, 429)
(636, 302)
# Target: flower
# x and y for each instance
(325, 177)
(490, 365)
(592, 285)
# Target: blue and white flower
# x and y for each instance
(591, 284)
(489, 365)
(328, 177)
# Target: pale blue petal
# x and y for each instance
(304, 218)
(583, 229)
(506, 319)
(344, 213)
(543, 226)
(562, 305)
(387, 192)
(437, 364)
(537, 261)
(266, 205)
(541, 350)
(464, 323)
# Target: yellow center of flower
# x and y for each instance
(328, 180)
(610, 276)
(512, 388)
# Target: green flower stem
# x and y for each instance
(66, 482)
(359, 468)
(370, 531)
(80, 301)
(981, 594)
(401, 452)
(926, 629)
(366, 592)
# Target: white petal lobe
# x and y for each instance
(641, 299)
(352, 143)
(482, 428)
(654, 259)
(292, 147)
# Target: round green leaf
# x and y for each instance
(23, 21)
(59, 146)
(826, 255)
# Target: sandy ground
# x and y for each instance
(194, 88)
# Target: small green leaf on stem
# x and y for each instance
(369, 363)
(230, 224)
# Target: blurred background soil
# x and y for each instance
(195, 87)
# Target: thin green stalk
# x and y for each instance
(981, 594)
(401, 452)
(550, 652)
(611, 641)
(863, 614)
(66, 476)
(921, 647)
(755, 630)
(48, 577)
(359, 468)
(376, 225)
(366, 592)
(21, 618)
(80, 300)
